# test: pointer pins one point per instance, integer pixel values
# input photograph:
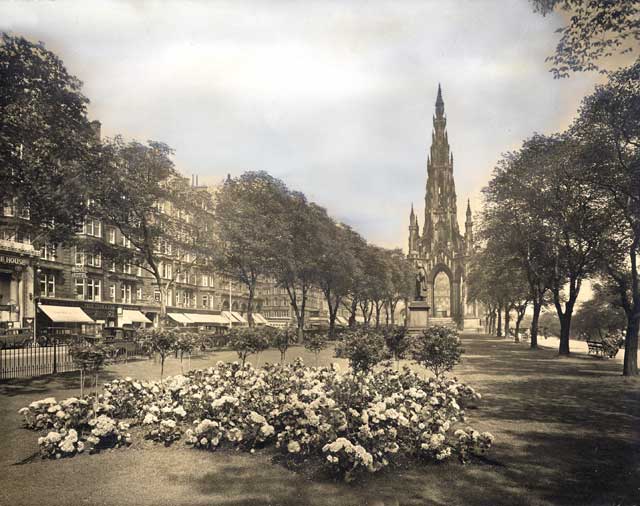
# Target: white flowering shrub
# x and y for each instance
(349, 422)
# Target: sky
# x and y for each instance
(334, 97)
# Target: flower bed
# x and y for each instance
(350, 423)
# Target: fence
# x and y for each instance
(55, 358)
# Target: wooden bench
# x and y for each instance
(602, 349)
(595, 348)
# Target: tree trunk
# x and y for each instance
(499, 331)
(565, 318)
(252, 291)
(507, 320)
(332, 320)
(353, 309)
(537, 307)
(630, 367)
(565, 329)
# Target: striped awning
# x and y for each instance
(179, 317)
(259, 319)
(211, 319)
(130, 316)
(65, 314)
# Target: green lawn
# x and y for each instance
(567, 431)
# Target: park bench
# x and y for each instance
(595, 348)
(604, 349)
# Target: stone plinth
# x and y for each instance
(418, 315)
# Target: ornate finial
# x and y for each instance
(439, 103)
(468, 208)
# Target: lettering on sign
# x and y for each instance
(5, 259)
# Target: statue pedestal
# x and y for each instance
(418, 316)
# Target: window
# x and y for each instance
(205, 301)
(112, 267)
(47, 284)
(92, 227)
(125, 292)
(80, 289)
(48, 252)
(156, 296)
(124, 241)
(111, 235)
(112, 293)
(83, 258)
(139, 271)
(93, 289)
(88, 289)
(166, 271)
(139, 293)
(126, 268)
(9, 208)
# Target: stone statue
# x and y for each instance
(420, 285)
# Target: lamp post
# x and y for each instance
(230, 315)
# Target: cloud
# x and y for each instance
(334, 97)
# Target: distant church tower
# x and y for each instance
(441, 252)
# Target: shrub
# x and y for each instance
(437, 348)
(397, 341)
(162, 341)
(281, 339)
(246, 341)
(363, 347)
(315, 342)
(89, 359)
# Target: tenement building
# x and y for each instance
(441, 253)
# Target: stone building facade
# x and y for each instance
(441, 253)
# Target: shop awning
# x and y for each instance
(233, 317)
(66, 314)
(130, 316)
(179, 317)
(259, 319)
(211, 319)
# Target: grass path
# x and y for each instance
(567, 429)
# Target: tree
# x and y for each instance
(48, 148)
(315, 342)
(337, 265)
(397, 341)
(251, 229)
(599, 316)
(281, 339)
(165, 223)
(246, 341)
(296, 267)
(438, 349)
(514, 226)
(596, 30)
(363, 347)
(402, 278)
(89, 359)
(162, 341)
(608, 128)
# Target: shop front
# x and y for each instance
(16, 290)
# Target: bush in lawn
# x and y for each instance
(246, 341)
(397, 341)
(315, 342)
(364, 347)
(281, 339)
(89, 359)
(437, 348)
(186, 342)
(162, 341)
